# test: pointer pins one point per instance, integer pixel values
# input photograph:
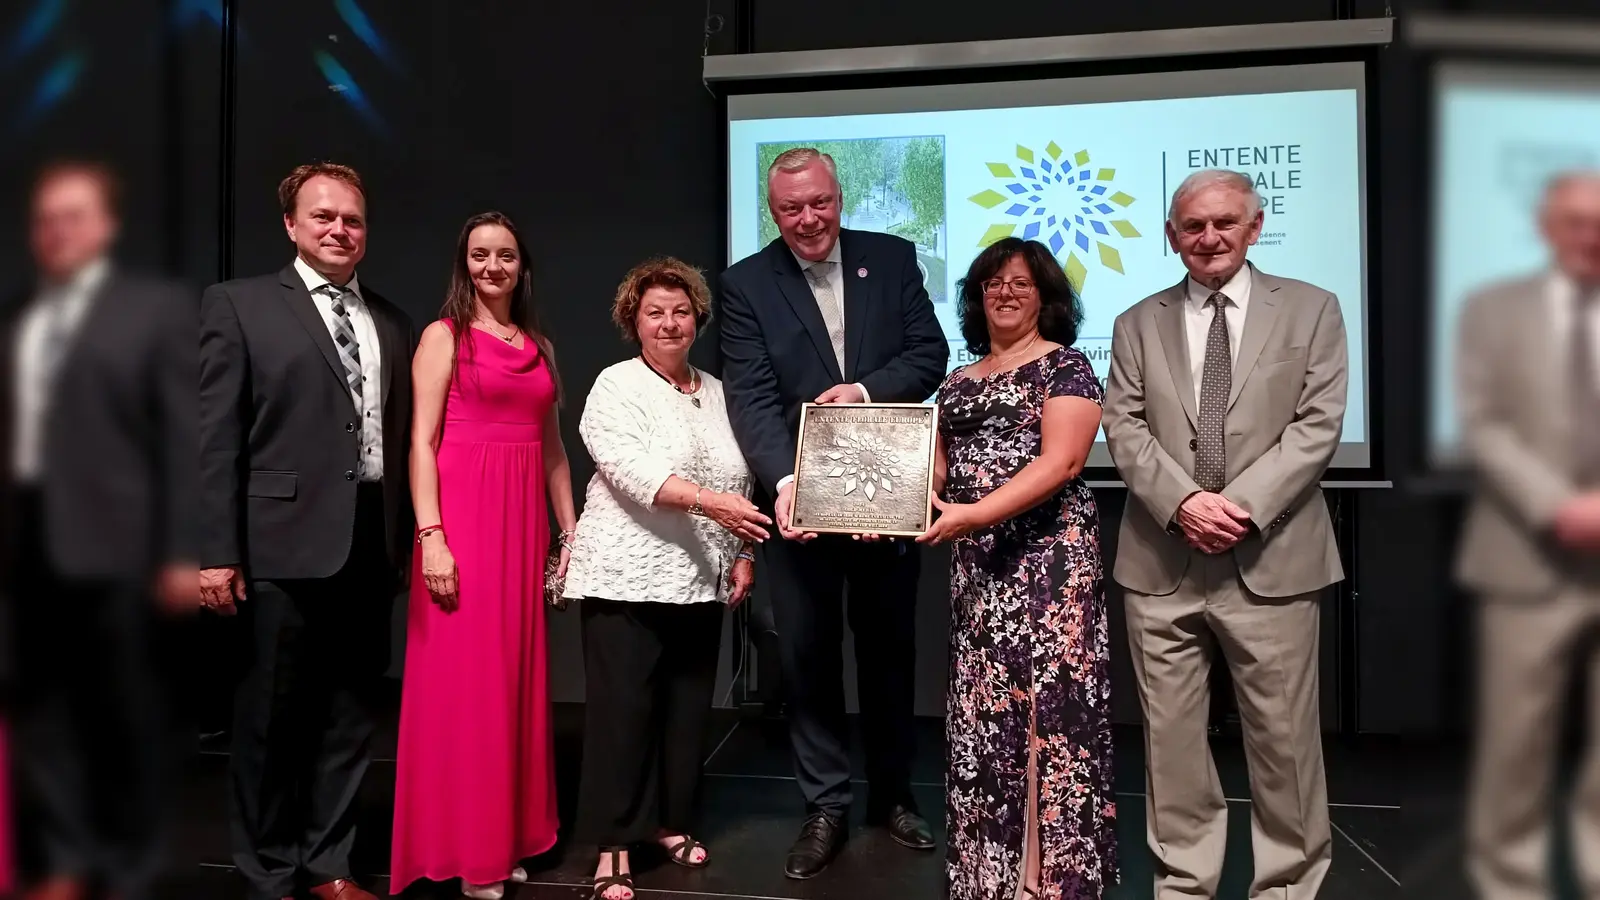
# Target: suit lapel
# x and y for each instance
(305, 310)
(391, 343)
(95, 309)
(792, 283)
(1175, 341)
(1546, 345)
(858, 294)
(1266, 302)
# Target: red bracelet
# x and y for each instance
(424, 532)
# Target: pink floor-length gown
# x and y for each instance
(475, 783)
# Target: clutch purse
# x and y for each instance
(554, 587)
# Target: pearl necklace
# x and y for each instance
(694, 381)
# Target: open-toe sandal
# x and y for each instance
(682, 853)
(615, 879)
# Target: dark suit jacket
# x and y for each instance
(118, 480)
(279, 437)
(776, 354)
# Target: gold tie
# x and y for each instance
(828, 304)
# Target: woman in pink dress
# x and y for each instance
(475, 788)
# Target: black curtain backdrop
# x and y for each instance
(591, 127)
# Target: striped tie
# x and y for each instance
(344, 338)
(1216, 381)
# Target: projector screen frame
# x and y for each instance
(1371, 476)
(1167, 43)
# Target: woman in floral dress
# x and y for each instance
(1028, 636)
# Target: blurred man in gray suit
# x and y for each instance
(1223, 409)
(1528, 385)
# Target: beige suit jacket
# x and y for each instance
(1285, 414)
(1512, 397)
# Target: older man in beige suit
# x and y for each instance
(1223, 409)
(1529, 399)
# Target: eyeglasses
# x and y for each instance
(1020, 287)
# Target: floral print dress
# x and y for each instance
(1028, 640)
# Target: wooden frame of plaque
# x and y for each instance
(865, 468)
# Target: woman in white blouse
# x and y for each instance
(662, 548)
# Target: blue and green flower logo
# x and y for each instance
(1063, 203)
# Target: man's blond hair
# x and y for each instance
(797, 158)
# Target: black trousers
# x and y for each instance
(95, 747)
(808, 597)
(304, 714)
(651, 670)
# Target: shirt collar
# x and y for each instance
(315, 279)
(1237, 289)
(1564, 290)
(834, 256)
(82, 285)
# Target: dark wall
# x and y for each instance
(593, 133)
(592, 128)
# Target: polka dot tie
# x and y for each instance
(1216, 381)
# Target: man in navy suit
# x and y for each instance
(829, 315)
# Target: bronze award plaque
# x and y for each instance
(864, 468)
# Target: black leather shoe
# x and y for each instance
(819, 842)
(908, 828)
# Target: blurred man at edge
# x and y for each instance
(1528, 384)
(98, 376)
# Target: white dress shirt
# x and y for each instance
(371, 465)
(836, 282)
(1197, 321)
(1562, 293)
(53, 318)
(640, 431)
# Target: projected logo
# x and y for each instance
(1064, 204)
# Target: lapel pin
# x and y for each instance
(861, 272)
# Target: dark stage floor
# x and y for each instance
(752, 811)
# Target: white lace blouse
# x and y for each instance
(639, 430)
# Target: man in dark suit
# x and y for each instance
(305, 411)
(832, 316)
(97, 388)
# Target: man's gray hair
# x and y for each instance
(797, 158)
(1206, 178)
(1565, 178)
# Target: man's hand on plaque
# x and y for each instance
(956, 520)
(785, 508)
(842, 393)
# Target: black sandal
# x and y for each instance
(682, 853)
(615, 879)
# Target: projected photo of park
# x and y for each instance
(891, 184)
